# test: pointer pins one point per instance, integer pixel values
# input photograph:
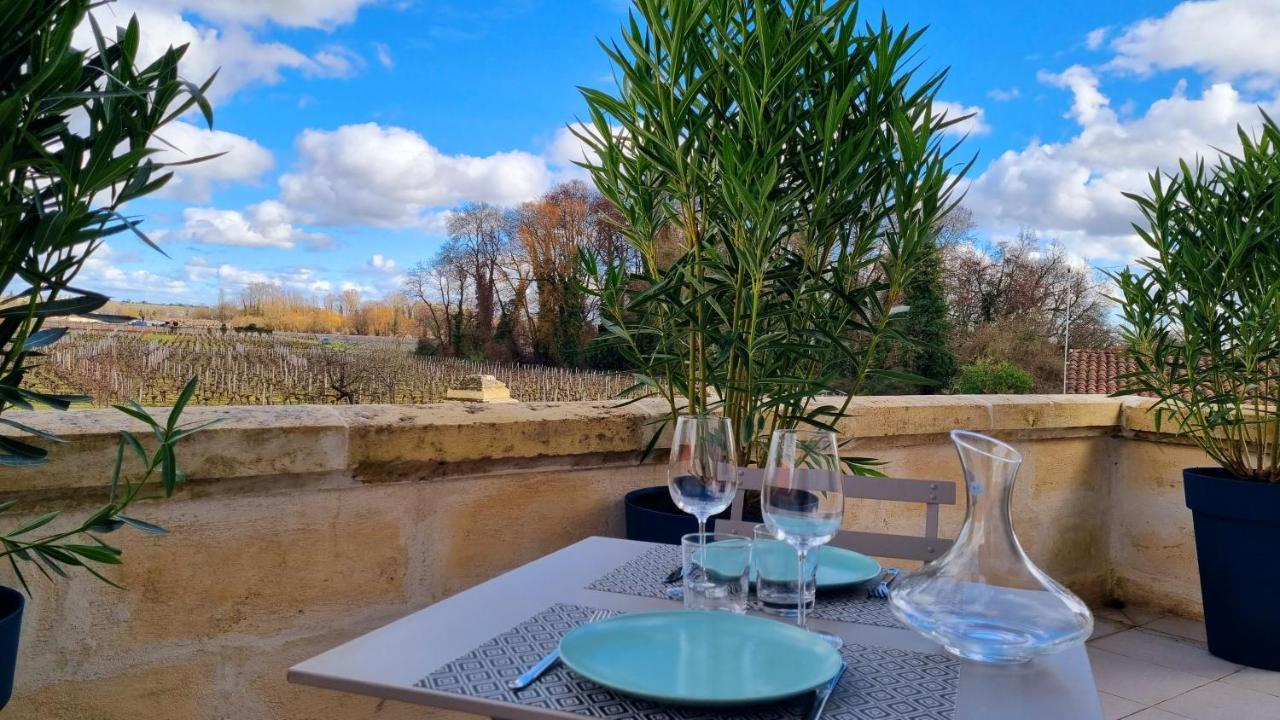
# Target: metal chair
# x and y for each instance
(933, 493)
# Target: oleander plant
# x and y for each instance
(1201, 312)
(79, 129)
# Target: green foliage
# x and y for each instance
(987, 377)
(75, 145)
(82, 546)
(926, 325)
(1201, 313)
(779, 170)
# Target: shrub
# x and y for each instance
(986, 377)
(1201, 315)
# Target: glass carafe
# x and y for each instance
(984, 599)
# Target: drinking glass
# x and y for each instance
(773, 563)
(717, 569)
(701, 474)
(803, 497)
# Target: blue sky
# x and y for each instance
(352, 125)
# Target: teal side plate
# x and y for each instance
(699, 658)
(839, 568)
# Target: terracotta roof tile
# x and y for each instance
(1095, 371)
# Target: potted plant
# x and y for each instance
(778, 188)
(1201, 318)
(76, 140)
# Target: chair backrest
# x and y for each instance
(933, 493)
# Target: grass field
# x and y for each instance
(151, 365)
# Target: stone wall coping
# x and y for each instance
(403, 442)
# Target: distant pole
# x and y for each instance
(1066, 341)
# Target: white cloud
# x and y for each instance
(1226, 39)
(334, 61)
(1072, 190)
(976, 124)
(1094, 38)
(324, 14)
(243, 161)
(267, 224)
(302, 279)
(230, 48)
(384, 55)
(1004, 94)
(102, 272)
(382, 264)
(390, 177)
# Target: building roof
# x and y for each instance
(1095, 371)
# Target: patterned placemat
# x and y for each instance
(880, 683)
(644, 575)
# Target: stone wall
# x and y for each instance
(302, 527)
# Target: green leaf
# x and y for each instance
(142, 525)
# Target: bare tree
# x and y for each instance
(1013, 301)
(442, 288)
(478, 236)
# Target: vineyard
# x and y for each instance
(150, 366)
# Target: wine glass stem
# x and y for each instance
(702, 532)
(803, 617)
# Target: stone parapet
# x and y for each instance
(304, 526)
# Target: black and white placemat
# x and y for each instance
(880, 683)
(643, 576)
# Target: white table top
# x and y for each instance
(387, 662)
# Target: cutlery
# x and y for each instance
(548, 661)
(674, 576)
(532, 674)
(881, 589)
(823, 693)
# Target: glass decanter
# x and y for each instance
(984, 599)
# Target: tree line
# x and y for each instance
(509, 285)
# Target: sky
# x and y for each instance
(352, 127)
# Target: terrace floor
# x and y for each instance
(1155, 667)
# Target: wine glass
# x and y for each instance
(701, 474)
(803, 497)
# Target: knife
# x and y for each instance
(535, 672)
(823, 694)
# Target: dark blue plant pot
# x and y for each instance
(652, 516)
(11, 604)
(1237, 526)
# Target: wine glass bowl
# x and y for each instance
(802, 497)
(701, 474)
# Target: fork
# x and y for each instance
(548, 661)
(881, 589)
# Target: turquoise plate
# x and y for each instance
(837, 568)
(699, 658)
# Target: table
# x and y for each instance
(387, 662)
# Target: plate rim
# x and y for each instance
(851, 583)
(696, 702)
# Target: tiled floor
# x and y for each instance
(1150, 667)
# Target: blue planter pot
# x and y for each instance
(11, 605)
(1237, 525)
(652, 516)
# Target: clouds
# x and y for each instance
(386, 176)
(242, 161)
(267, 224)
(975, 124)
(1073, 190)
(1225, 39)
(229, 44)
(104, 271)
(301, 279)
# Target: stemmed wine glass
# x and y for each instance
(701, 474)
(803, 497)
